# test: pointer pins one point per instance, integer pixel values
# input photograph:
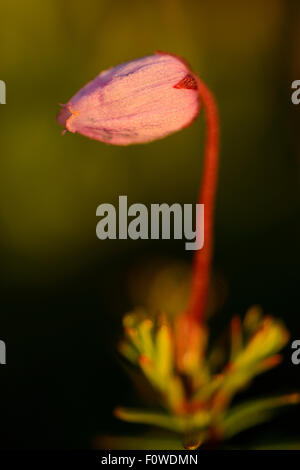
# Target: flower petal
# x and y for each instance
(135, 102)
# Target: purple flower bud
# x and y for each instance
(135, 102)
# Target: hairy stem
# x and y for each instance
(203, 257)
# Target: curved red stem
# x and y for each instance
(203, 257)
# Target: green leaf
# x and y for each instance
(162, 420)
(254, 412)
(193, 422)
(277, 446)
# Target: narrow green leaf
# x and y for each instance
(162, 420)
(254, 412)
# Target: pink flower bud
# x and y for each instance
(135, 102)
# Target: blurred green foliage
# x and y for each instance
(194, 390)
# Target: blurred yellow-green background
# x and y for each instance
(63, 290)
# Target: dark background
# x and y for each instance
(63, 291)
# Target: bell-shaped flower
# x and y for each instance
(135, 102)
